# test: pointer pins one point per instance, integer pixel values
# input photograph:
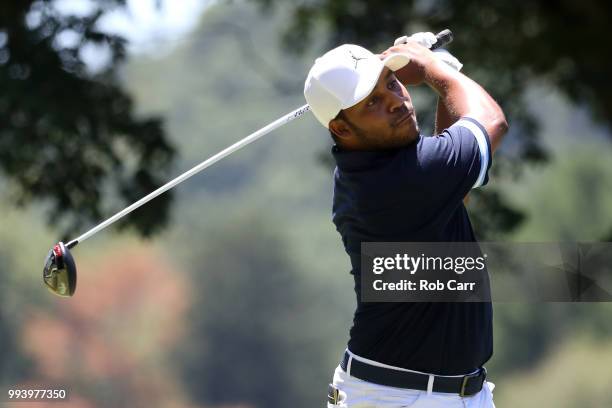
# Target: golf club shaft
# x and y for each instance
(444, 37)
(224, 153)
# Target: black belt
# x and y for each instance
(464, 386)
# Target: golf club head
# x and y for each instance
(59, 272)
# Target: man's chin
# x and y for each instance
(415, 130)
(400, 138)
(410, 135)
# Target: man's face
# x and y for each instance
(385, 119)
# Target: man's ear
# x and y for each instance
(340, 128)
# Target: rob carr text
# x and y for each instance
(423, 285)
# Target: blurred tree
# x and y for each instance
(248, 330)
(13, 366)
(110, 343)
(505, 46)
(69, 136)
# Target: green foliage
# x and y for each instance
(569, 200)
(13, 366)
(70, 137)
(493, 224)
(248, 341)
(577, 375)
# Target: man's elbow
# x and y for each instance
(501, 125)
(498, 129)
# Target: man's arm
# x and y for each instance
(444, 118)
(459, 95)
(478, 104)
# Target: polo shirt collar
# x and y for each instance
(361, 160)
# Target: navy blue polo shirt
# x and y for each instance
(415, 194)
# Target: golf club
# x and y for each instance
(59, 271)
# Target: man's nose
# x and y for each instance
(396, 102)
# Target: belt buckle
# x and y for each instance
(467, 378)
(333, 394)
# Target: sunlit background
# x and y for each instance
(234, 290)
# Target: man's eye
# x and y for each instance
(372, 102)
(393, 85)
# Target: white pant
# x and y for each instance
(356, 393)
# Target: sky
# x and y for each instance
(149, 25)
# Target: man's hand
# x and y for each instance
(427, 39)
(420, 57)
(416, 74)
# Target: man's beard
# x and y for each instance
(384, 142)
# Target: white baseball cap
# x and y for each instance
(343, 77)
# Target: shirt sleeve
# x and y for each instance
(456, 160)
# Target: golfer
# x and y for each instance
(393, 184)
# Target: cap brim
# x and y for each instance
(396, 61)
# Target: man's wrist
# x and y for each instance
(448, 58)
(438, 75)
